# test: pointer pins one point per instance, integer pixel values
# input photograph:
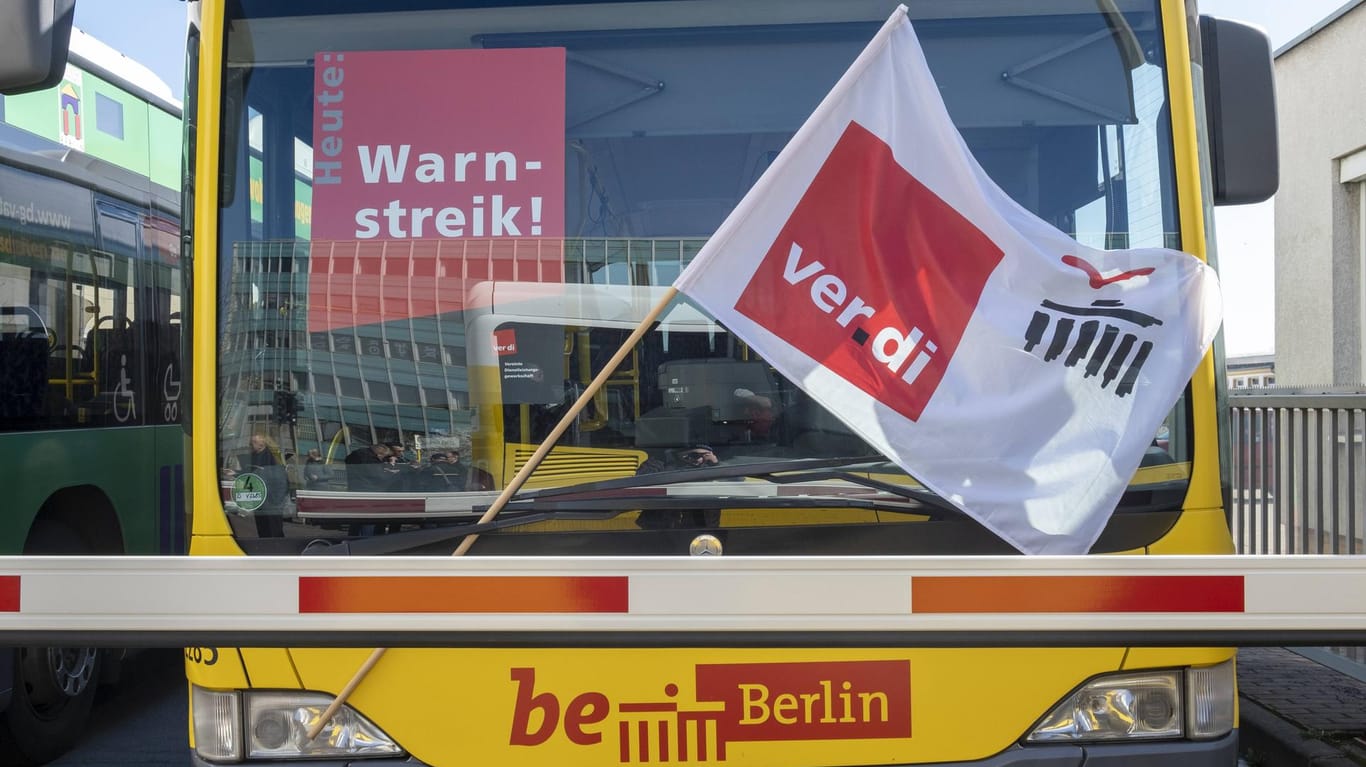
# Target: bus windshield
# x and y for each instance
(436, 225)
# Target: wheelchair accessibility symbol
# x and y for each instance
(125, 400)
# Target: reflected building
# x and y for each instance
(372, 337)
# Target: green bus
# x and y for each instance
(91, 380)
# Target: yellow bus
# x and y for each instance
(497, 191)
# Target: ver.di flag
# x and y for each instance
(1012, 370)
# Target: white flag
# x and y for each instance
(1012, 370)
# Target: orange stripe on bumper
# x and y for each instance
(9, 593)
(463, 594)
(1078, 594)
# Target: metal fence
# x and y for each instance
(1298, 474)
(1298, 471)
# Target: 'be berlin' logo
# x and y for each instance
(730, 703)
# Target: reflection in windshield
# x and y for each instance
(403, 341)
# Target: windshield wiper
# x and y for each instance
(755, 469)
(920, 496)
(607, 499)
(778, 472)
(610, 498)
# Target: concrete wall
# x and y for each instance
(1321, 103)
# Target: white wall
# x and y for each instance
(1321, 103)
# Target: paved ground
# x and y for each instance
(1297, 711)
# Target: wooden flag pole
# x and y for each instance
(516, 484)
(345, 693)
(569, 416)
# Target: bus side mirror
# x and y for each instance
(33, 43)
(1240, 111)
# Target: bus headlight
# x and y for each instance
(1197, 703)
(258, 725)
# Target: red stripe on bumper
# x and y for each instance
(463, 594)
(1078, 594)
(9, 593)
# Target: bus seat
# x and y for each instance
(817, 444)
(56, 361)
(816, 431)
(712, 383)
(108, 345)
(673, 427)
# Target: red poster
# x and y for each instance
(433, 170)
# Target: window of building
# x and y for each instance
(1351, 192)
(407, 395)
(344, 342)
(380, 391)
(429, 353)
(436, 398)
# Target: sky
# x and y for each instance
(152, 33)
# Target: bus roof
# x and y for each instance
(97, 58)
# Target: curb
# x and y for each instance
(1267, 740)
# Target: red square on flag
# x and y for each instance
(873, 275)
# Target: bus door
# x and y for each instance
(114, 341)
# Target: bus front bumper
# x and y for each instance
(1221, 752)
